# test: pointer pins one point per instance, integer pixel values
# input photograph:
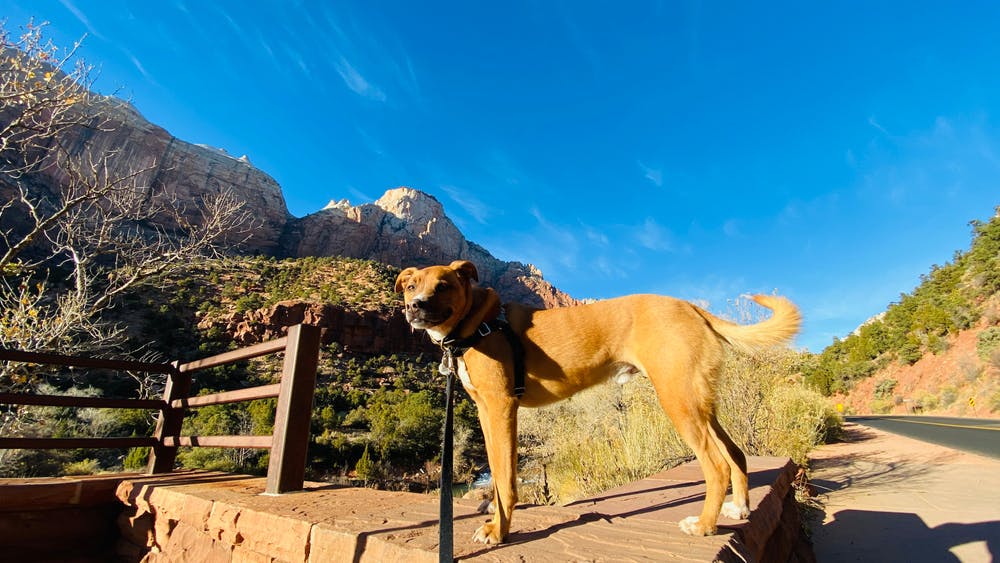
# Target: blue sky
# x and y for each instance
(830, 151)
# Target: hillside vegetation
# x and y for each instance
(961, 295)
(389, 404)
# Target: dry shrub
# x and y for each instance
(614, 434)
(927, 401)
(947, 395)
(606, 436)
(767, 408)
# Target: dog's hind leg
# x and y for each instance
(739, 508)
(694, 428)
(684, 389)
(688, 404)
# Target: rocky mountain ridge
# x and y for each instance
(405, 227)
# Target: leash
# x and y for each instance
(453, 348)
(446, 531)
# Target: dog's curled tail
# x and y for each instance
(779, 329)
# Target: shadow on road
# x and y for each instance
(852, 433)
(861, 470)
(898, 536)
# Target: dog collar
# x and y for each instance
(456, 347)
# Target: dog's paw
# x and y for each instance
(692, 526)
(488, 533)
(732, 510)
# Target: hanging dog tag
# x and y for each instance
(447, 366)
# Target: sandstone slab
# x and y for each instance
(637, 522)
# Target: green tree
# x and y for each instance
(403, 424)
(365, 468)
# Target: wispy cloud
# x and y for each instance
(367, 56)
(654, 175)
(654, 236)
(78, 14)
(595, 236)
(711, 292)
(248, 33)
(851, 159)
(356, 82)
(297, 59)
(731, 228)
(823, 205)
(233, 25)
(359, 196)
(475, 208)
(405, 76)
(265, 44)
(950, 158)
(500, 166)
(562, 242)
(369, 141)
(139, 67)
(878, 126)
(580, 40)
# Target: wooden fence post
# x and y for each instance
(161, 458)
(287, 467)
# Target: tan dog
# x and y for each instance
(676, 344)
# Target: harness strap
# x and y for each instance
(517, 350)
(456, 347)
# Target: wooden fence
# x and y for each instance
(288, 443)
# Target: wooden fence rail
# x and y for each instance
(288, 442)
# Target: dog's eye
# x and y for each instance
(443, 286)
(411, 287)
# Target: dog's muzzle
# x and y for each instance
(420, 315)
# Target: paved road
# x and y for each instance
(976, 435)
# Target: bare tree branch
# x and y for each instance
(79, 228)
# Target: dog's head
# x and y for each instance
(437, 298)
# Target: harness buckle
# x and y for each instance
(485, 327)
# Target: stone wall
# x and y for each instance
(61, 519)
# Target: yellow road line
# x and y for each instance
(996, 428)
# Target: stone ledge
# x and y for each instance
(225, 518)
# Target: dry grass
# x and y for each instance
(605, 436)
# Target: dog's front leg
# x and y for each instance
(498, 417)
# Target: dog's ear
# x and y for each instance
(465, 269)
(404, 277)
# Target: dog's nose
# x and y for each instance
(417, 304)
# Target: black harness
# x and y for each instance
(454, 347)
